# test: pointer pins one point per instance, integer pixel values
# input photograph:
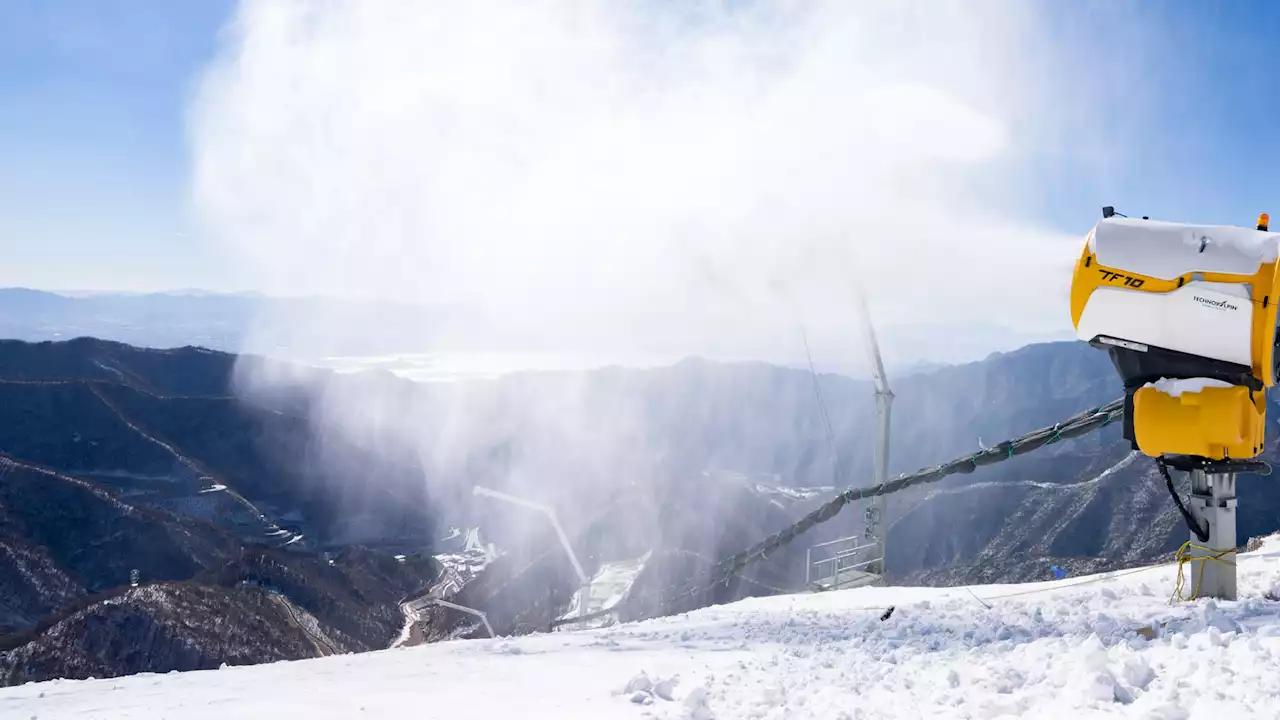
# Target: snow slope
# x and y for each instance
(608, 587)
(1061, 649)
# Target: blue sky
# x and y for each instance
(1197, 134)
(94, 162)
(93, 159)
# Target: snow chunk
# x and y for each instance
(695, 705)
(1175, 387)
(639, 683)
(1137, 672)
(1098, 686)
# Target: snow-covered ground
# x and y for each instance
(608, 587)
(1061, 649)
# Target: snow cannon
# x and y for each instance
(1187, 314)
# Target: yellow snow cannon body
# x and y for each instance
(1188, 316)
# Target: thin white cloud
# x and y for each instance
(637, 176)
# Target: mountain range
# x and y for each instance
(290, 518)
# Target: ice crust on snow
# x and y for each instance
(1176, 387)
(1057, 649)
(1166, 250)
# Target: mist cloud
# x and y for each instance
(651, 178)
(637, 181)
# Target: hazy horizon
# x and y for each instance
(905, 346)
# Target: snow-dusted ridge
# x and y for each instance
(1061, 649)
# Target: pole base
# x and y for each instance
(1213, 562)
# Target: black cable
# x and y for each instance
(1203, 535)
(1073, 427)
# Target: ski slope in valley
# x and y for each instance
(1061, 649)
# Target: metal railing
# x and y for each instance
(830, 573)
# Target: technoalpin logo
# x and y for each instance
(1220, 304)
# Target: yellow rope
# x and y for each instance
(1183, 556)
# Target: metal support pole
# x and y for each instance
(1213, 500)
(884, 405)
(875, 511)
(584, 582)
(470, 611)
